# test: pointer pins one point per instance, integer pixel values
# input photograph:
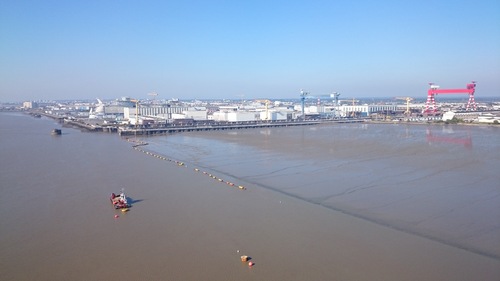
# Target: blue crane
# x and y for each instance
(304, 95)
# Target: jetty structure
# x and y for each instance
(222, 127)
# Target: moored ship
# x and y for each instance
(56, 132)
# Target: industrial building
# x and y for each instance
(30, 105)
(153, 111)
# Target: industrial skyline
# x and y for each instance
(254, 50)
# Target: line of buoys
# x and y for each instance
(220, 179)
(160, 157)
(181, 164)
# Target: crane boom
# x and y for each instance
(153, 94)
(434, 90)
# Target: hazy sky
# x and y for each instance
(251, 49)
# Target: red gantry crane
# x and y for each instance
(430, 105)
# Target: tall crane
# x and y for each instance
(303, 96)
(266, 102)
(136, 112)
(408, 100)
(434, 90)
(334, 96)
(353, 114)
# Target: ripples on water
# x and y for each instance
(440, 182)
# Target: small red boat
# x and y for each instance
(119, 201)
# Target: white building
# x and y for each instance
(196, 114)
(365, 110)
(235, 116)
(153, 111)
(469, 116)
(30, 105)
(448, 115)
(488, 118)
(273, 115)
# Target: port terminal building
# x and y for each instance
(237, 114)
(224, 114)
(351, 110)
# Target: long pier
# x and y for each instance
(216, 127)
(128, 131)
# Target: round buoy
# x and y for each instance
(117, 216)
(250, 263)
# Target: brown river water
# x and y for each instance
(325, 202)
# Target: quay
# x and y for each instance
(179, 128)
(217, 127)
(79, 123)
(90, 127)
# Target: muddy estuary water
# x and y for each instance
(440, 182)
(325, 202)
